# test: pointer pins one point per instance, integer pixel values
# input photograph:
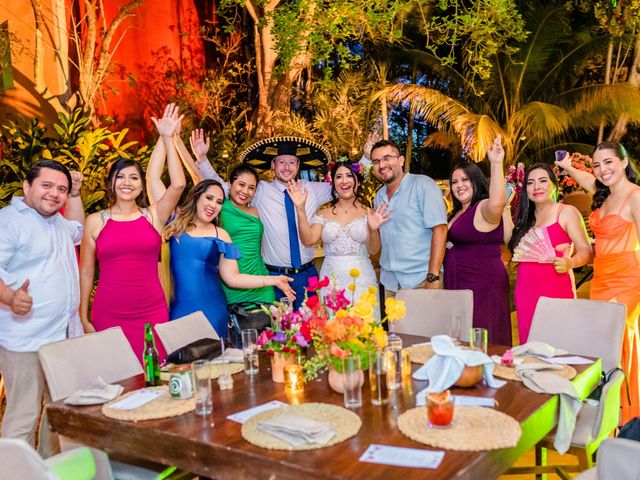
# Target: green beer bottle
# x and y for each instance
(150, 358)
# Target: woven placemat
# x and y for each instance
(509, 373)
(162, 407)
(473, 429)
(214, 368)
(345, 423)
(420, 353)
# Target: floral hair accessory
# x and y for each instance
(356, 167)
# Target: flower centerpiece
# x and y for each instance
(284, 340)
(342, 328)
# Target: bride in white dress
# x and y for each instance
(349, 231)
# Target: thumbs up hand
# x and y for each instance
(563, 264)
(21, 301)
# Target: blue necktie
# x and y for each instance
(293, 231)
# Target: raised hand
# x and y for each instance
(199, 144)
(297, 193)
(372, 138)
(76, 183)
(495, 153)
(169, 122)
(282, 283)
(378, 216)
(565, 162)
(21, 301)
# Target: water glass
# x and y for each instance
(250, 351)
(202, 378)
(378, 378)
(479, 339)
(453, 327)
(353, 380)
(393, 355)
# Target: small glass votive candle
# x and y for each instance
(293, 379)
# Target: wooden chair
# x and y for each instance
(594, 329)
(428, 311)
(71, 364)
(184, 330)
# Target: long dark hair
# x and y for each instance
(602, 191)
(118, 166)
(527, 215)
(478, 181)
(186, 213)
(240, 170)
(356, 174)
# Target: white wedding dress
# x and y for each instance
(345, 248)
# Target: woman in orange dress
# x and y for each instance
(615, 222)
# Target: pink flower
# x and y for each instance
(314, 284)
(338, 352)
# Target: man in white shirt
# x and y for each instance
(285, 156)
(39, 286)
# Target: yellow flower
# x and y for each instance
(395, 309)
(352, 287)
(380, 337)
(372, 290)
(354, 273)
(362, 310)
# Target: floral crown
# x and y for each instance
(356, 167)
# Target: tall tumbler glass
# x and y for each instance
(202, 378)
(250, 351)
(479, 339)
(378, 378)
(393, 354)
(353, 379)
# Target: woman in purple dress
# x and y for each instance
(476, 233)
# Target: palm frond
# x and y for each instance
(588, 106)
(477, 133)
(432, 105)
(540, 121)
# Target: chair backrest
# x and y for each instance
(19, 460)
(428, 311)
(184, 330)
(71, 364)
(582, 327)
(618, 458)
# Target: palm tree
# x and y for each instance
(536, 98)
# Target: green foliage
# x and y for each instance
(473, 32)
(74, 144)
(615, 18)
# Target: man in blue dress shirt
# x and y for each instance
(413, 242)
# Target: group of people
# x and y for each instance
(250, 240)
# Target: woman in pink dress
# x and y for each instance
(553, 276)
(125, 240)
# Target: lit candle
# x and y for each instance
(293, 379)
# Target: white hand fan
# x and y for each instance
(535, 246)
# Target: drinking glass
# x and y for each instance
(439, 410)
(250, 351)
(352, 382)
(378, 377)
(453, 327)
(393, 355)
(202, 378)
(479, 339)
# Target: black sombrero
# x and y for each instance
(311, 154)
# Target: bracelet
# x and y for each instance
(74, 196)
(264, 282)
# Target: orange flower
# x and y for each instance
(338, 352)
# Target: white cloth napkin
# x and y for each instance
(298, 431)
(96, 393)
(537, 348)
(231, 355)
(540, 378)
(444, 368)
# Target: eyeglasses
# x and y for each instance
(385, 159)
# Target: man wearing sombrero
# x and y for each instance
(282, 251)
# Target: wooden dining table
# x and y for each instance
(212, 446)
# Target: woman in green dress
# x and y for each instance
(243, 224)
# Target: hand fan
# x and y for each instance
(535, 246)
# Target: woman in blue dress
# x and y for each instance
(201, 254)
